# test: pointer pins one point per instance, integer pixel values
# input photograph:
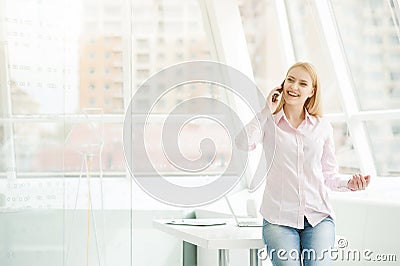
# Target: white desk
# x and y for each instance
(220, 237)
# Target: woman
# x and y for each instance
(298, 218)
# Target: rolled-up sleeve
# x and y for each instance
(330, 167)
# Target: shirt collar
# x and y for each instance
(279, 115)
(309, 118)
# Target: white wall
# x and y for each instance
(36, 236)
(368, 225)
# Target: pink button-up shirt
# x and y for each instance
(303, 167)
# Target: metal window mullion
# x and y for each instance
(127, 49)
(394, 6)
(5, 95)
(225, 32)
(347, 90)
(397, 3)
(204, 6)
(372, 115)
(335, 117)
(287, 41)
(74, 118)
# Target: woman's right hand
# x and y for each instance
(358, 182)
(276, 95)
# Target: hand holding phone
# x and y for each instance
(273, 97)
(277, 93)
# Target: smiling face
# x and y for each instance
(298, 86)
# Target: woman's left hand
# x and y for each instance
(359, 182)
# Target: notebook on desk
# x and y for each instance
(196, 222)
(248, 223)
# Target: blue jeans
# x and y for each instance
(288, 246)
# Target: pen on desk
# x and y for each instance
(174, 221)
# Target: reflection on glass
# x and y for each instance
(384, 137)
(41, 55)
(69, 60)
(3, 151)
(194, 133)
(166, 33)
(66, 57)
(103, 36)
(112, 158)
(371, 43)
(39, 147)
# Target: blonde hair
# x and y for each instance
(312, 104)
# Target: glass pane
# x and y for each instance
(166, 33)
(193, 132)
(264, 46)
(42, 148)
(32, 237)
(345, 153)
(39, 148)
(4, 150)
(310, 45)
(103, 41)
(41, 55)
(47, 222)
(371, 43)
(385, 143)
(185, 144)
(83, 139)
(66, 56)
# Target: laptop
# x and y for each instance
(254, 222)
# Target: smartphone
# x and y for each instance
(276, 95)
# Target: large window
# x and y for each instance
(371, 43)
(67, 63)
(68, 70)
(366, 44)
